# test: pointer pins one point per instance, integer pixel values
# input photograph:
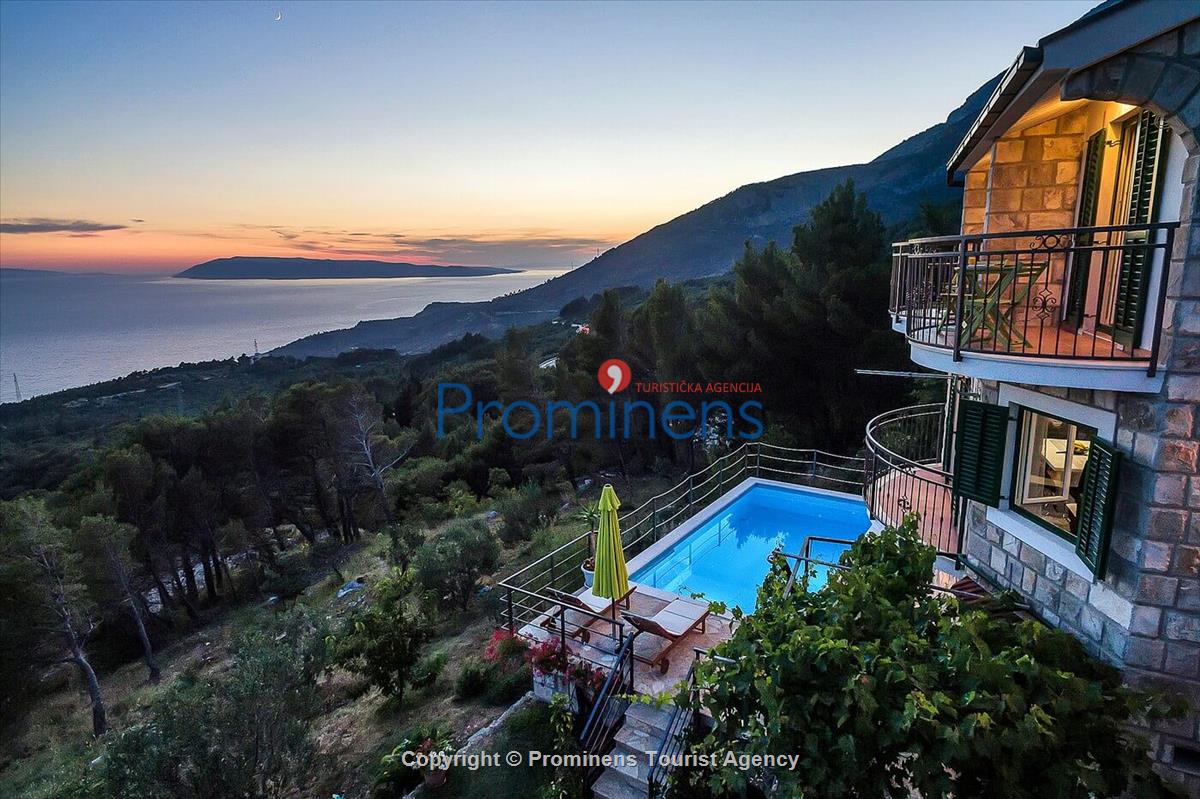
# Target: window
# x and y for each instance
(1051, 457)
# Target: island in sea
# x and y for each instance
(254, 268)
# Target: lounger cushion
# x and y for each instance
(681, 615)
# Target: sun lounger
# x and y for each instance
(671, 624)
(575, 611)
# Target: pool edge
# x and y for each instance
(658, 547)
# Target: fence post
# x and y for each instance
(758, 459)
(512, 621)
(654, 518)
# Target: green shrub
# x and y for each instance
(498, 480)
(917, 693)
(524, 510)
(227, 736)
(474, 679)
(427, 670)
(404, 540)
(450, 565)
(383, 641)
(460, 499)
(507, 686)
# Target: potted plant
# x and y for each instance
(428, 740)
(590, 513)
(550, 671)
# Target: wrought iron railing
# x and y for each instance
(1067, 293)
(608, 710)
(525, 600)
(907, 456)
(679, 728)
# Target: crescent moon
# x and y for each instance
(279, 17)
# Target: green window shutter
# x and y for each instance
(979, 450)
(1089, 195)
(1097, 498)
(1089, 188)
(1144, 186)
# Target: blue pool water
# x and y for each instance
(725, 558)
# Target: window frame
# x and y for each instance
(1004, 517)
(1020, 475)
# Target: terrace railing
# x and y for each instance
(1066, 293)
(679, 729)
(608, 710)
(525, 600)
(907, 456)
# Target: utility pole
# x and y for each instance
(17, 386)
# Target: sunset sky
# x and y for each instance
(150, 136)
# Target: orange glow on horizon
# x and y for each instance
(135, 249)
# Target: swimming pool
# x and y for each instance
(722, 554)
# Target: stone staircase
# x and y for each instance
(642, 732)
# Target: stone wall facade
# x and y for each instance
(1031, 181)
(1144, 616)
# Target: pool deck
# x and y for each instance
(647, 600)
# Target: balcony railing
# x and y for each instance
(1094, 294)
(907, 459)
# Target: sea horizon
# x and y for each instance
(70, 329)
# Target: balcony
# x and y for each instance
(1075, 307)
(906, 472)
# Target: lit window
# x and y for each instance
(1049, 469)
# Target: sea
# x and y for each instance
(60, 330)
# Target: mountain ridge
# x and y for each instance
(699, 243)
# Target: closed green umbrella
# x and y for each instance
(612, 578)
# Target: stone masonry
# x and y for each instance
(1032, 180)
(1144, 616)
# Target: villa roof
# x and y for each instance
(1110, 28)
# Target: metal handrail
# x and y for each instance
(662, 512)
(880, 422)
(1040, 232)
(608, 710)
(678, 727)
(898, 483)
(779, 553)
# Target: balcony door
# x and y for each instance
(1143, 146)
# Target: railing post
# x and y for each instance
(512, 621)
(553, 582)
(959, 299)
(758, 459)
(691, 491)
(1164, 279)
(654, 518)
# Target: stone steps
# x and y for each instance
(641, 733)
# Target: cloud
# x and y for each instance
(41, 224)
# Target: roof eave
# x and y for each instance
(1014, 80)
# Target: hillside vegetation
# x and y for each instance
(168, 581)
